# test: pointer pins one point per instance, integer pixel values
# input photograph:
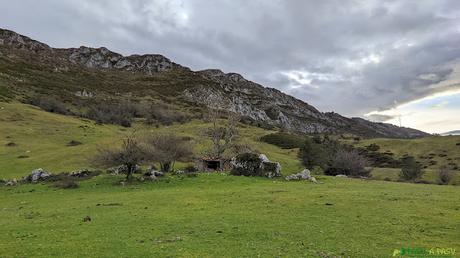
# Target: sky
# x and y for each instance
(389, 61)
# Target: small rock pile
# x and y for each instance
(152, 174)
(37, 175)
(304, 175)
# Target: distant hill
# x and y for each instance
(455, 132)
(29, 68)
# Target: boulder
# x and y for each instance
(304, 175)
(37, 175)
(152, 173)
(250, 164)
(12, 182)
(341, 176)
(270, 169)
(264, 158)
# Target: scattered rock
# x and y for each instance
(313, 180)
(37, 175)
(341, 175)
(87, 219)
(178, 172)
(304, 175)
(12, 182)
(152, 174)
(81, 173)
(84, 94)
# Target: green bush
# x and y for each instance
(348, 162)
(249, 162)
(121, 113)
(284, 140)
(373, 147)
(162, 114)
(190, 169)
(49, 104)
(411, 170)
(445, 175)
(312, 153)
(66, 183)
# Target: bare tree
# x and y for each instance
(167, 149)
(222, 133)
(129, 155)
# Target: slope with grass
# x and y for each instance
(432, 152)
(32, 138)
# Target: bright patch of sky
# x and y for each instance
(436, 114)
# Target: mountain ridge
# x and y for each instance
(99, 70)
(454, 132)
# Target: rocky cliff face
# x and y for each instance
(99, 58)
(233, 92)
(103, 58)
(212, 88)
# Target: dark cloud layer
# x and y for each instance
(348, 56)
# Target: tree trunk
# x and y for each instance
(165, 166)
(129, 172)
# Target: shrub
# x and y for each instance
(163, 114)
(348, 162)
(410, 170)
(378, 159)
(167, 149)
(250, 165)
(129, 155)
(49, 104)
(445, 175)
(373, 147)
(112, 113)
(284, 140)
(314, 154)
(73, 143)
(66, 184)
(190, 169)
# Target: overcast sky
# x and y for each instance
(376, 59)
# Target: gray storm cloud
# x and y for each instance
(352, 57)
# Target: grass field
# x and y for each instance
(215, 215)
(211, 215)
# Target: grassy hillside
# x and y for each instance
(432, 152)
(40, 139)
(215, 215)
